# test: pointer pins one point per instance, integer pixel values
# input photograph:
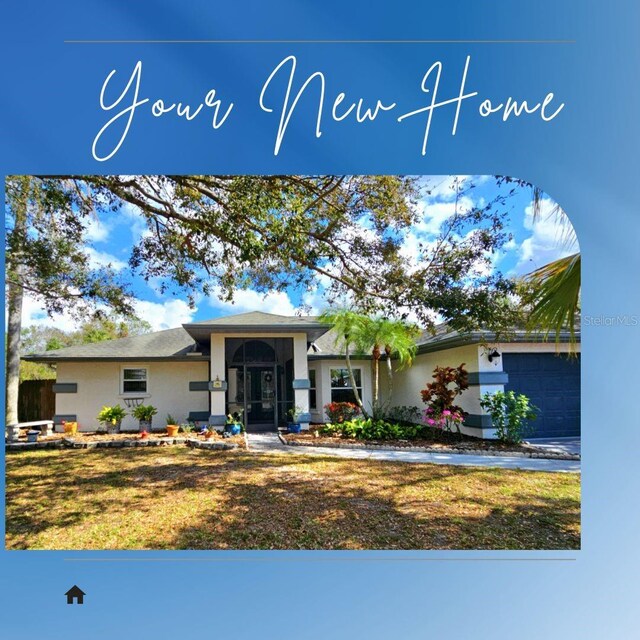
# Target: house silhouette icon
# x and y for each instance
(75, 593)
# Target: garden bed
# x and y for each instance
(453, 443)
(89, 440)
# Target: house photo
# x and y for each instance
(263, 365)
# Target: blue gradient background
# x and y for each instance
(587, 159)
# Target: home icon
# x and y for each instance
(75, 593)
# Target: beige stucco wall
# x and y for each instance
(99, 384)
(408, 382)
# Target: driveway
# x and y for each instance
(557, 445)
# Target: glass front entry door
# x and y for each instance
(260, 394)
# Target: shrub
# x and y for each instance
(372, 429)
(111, 415)
(144, 412)
(510, 414)
(341, 411)
(448, 384)
(445, 421)
(408, 415)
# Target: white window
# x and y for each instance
(134, 380)
(341, 389)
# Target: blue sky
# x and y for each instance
(110, 237)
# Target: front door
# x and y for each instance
(260, 394)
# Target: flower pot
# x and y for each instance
(144, 435)
(113, 428)
(32, 436)
(70, 428)
(172, 430)
(234, 429)
(145, 425)
(208, 435)
(294, 427)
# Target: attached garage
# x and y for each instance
(552, 383)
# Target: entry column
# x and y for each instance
(218, 384)
(301, 382)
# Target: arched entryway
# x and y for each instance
(259, 375)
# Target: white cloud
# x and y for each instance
(277, 302)
(96, 230)
(102, 259)
(33, 313)
(548, 241)
(164, 315)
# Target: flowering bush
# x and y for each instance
(338, 412)
(445, 420)
(448, 383)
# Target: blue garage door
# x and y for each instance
(552, 383)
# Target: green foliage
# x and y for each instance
(552, 294)
(372, 429)
(404, 415)
(45, 246)
(277, 231)
(187, 427)
(510, 413)
(171, 420)
(294, 413)
(36, 371)
(144, 412)
(111, 415)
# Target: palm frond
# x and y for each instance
(553, 294)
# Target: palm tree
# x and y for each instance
(397, 338)
(350, 326)
(552, 292)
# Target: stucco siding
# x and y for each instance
(99, 384)
(408, 382)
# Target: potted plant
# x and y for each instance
(172, 426)
(234, 425)
(208, 433)
(294, 425)
(111, 418)
(69, 427)
(144, 414)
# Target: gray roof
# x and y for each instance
(190, 342)
(173, 344)
(258, 322)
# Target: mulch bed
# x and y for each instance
(454, 443)
(161, 436)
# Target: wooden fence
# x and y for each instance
(36, 400)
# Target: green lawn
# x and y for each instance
(180, 498)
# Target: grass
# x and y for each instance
(179, 498)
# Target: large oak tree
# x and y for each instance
(215, 234)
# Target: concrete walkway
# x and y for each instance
(270, 443)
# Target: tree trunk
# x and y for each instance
(14, 326)
(390, 374)
(353, 379)
(376, 384)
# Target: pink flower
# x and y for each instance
(446, 412)
(431, 421)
